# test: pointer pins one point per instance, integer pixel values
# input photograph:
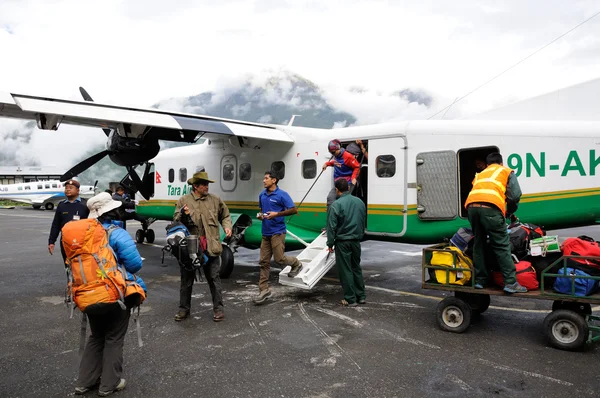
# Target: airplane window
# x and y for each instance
(309, 168)
(27, 187)
(228, 172)
(20, 188)
(279, 169)
(47, 186)
(54, 186)
(385, 166)
(245, 171)
(40, 186)
(171, 175)
(183, 174)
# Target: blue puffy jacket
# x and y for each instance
(126, 252)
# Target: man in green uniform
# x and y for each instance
(345, 228)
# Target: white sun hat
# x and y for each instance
(101, 203)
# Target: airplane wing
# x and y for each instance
(50, 113)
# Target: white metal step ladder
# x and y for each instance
(316, 262)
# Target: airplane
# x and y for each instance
(414, 182)
(40, 194)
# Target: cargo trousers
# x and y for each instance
(489, 221)
(347, 259)
(272, 246)
(211, 273)
(102, 359)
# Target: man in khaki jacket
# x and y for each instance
(202, 212)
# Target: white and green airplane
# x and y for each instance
(414, 182)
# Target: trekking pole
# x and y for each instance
(307, 192)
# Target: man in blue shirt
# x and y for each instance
(275, 204)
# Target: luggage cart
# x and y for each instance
(569, 326)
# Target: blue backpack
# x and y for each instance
(583, 286)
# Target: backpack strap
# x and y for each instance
(136, 320)
(82, 333)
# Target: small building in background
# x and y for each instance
(19, 174)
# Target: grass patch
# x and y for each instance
(5, 202)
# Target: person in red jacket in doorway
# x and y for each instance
(344, 165)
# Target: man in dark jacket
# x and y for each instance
(128, 207)
(345, 228)
(72, 208)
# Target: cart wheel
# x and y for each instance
(479, 303)
(566, 330)
(453, 315)
(139, 236)
(580, 308)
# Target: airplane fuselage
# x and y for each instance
(45, 194)
(414, 182)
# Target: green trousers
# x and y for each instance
(490, 222)
(347, 258)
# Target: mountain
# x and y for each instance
(271, 100)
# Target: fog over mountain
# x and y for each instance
(271, 97)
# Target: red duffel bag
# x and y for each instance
(582, 246)
(526, 276)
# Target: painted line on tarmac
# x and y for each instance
(523, 372)
(414, 254)
(25, 215)
(383, 289)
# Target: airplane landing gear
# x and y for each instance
(49, 206)
(145, 232)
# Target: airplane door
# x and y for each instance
(228, 173)
(386, 195)
(437, 193)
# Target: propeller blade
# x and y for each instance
(88, 98)
(138, 183)
(82, 166)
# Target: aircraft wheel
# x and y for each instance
(566, 330)
(580, 308)
(37, 207)
(150, 236)
(49, 206)
(479, 303)
(139, 236)
(453, 315)
(226, 262)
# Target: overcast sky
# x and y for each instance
(139, 52)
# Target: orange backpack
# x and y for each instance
(96, 282)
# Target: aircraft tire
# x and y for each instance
(139, 236)
(49, 206)
(226, 262)
(566, 330)
(150, 236)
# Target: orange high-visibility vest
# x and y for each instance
(489, 186)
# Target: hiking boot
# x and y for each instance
(362, 301)
(347, 304)
(515, 288)
(262, 296)
(119, 387)
(218, 316)
(181, 315)
(295, 270)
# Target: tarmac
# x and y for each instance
(299, 344)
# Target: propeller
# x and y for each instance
(83, 166)
(88, 98)
(124, 151)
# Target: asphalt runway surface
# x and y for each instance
(300, 344)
